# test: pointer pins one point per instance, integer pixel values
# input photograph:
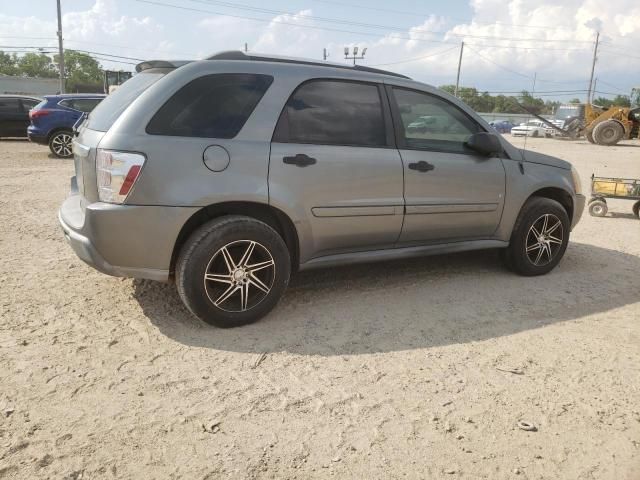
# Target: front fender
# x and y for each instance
(524, 179)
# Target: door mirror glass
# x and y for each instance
(484, 143)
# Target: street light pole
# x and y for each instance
(60, 50)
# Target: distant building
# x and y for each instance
(28, 85)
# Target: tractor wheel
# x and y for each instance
(589, 136)
(608, 133)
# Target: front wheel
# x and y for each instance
(60, 144)
(539, 239)
(232, 271)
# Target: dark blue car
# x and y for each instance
(502, 126)
(52, 120)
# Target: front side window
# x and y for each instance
(213, 106)
(9, 105)
(331, 112)
(430, 123)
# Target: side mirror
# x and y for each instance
(484, 143)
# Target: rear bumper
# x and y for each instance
(123, 240)
(36, 138)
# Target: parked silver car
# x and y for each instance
(228, 174)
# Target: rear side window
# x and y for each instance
(82, 104)
(28, 104)
(109, 109)
(213, 106)
(330, 112)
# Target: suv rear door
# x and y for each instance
(451, 192)
(334, 162)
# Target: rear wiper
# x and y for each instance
(79, 123)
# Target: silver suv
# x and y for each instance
(228, 174)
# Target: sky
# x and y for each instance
(508, 43)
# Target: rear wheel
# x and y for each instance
(232, 271)
(598, 208)
(535, 134)
(60, 144)
(539, 239)
(608, 133)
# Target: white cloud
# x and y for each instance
(560, 52)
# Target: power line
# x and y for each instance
(414, 59)
(241, 6)
(414, 14)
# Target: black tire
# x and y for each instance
(598, 208)
(60, 143)
(636, 209)
(589, 136)
(535, 134)
(532, 216)
(608, 133)
(203, 254)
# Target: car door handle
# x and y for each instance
(300, 160)
(421, 166)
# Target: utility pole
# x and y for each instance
(246, 47)
(593, 67)
(60, 50)
(459, 67)
(355, 56)
(325, 54)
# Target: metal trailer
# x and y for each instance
(608, 187)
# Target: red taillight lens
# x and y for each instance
(38, 113)
(130, 179)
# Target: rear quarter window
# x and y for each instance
(212, 106)
(109, 109)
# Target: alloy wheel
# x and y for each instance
(544, 239)
(239, 276)
(61, 144)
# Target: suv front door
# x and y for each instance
(451, 192)
(333, 162)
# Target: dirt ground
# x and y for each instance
(412, 369)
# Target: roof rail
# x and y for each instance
(239, 55)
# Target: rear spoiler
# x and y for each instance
(149, 64)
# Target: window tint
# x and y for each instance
(329, 112)
(108, 111)
(213, 106)
(431, 123)
(9, 105)
(28, 104)
(83, 104)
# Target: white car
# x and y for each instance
(533, 128)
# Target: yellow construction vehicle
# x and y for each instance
(608, 127)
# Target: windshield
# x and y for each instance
(108, 111)
(566, 111)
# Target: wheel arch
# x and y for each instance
(558, 194)
(268, 214)
(55, 130)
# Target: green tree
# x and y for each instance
(36, 65)
(575, 100)
(8, 64)
(81, 70)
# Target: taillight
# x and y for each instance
(116, 173)
(38, 113)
